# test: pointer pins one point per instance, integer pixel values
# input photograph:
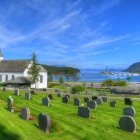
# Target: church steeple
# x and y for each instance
(1, 55)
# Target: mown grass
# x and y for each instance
(67, 125)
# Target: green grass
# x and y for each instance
(102, 126)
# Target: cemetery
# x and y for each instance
(55, 115)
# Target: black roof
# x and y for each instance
(14, 65)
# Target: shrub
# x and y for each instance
(52, 84)
(2, 84)
(61, 80)
(108, 83)
(120, 83)
(78, 88)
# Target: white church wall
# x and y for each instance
(9, 76)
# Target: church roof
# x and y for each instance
(20, 80)
(14, 65)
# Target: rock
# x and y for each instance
(92, 104)
(105, 99)
(127, 123)
(46, 101)
(84, 112)
(44, 122)
(113, 104)
(51, 97)
(25, 113)
(17, 92)
(99, 101)
(129, 111)
(77, 101)
(28, 96)
(86, 99)
(128, 101)
(65, 99)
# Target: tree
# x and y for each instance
(50, 78)
(128, 78)
(34, 69)
(61, 80)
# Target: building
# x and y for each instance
(15, 73)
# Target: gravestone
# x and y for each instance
(51, 97)
(11, 104)
(77, 101)
(99, 101)
(94, 98)
(84, 112)
(69, 96)
(92, 104)
(46, 101)
(127, 123)
(4, 89)
(86, 99)
(28, 96)
(105, 99)
(113, 104)
(65, 99)
(128, 101)
(17, 92)
(44, 122)
(59, 94)
(25, 113)
(129, 111)
(33, 92)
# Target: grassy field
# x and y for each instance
(68, 126)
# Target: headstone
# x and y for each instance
(129, 111)
(105, 99)
(86, 99)
(127, 123)
(25, 113)
(92, 104)
(94, 98)
(10, 104)
(113, 104)
(28, 96)
(51, 97)
(65, 99)
(46, 101)
(128, 101)
(59, 94)
(69, 96)
(4, 89)
(76, 101)
(99, 101)
(84, 112)
(44, 122)
(33, 92)
(17, 92)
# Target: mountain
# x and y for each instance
(133, 68)
(60, 70)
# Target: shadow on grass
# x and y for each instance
(6, 135)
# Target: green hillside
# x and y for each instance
(102, 126)
(134, 68)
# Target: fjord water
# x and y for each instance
(97, 76)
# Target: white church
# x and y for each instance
(15, 74)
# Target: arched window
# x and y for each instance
(13, 77)
(0, 78)
(41, 79)
(6, 77)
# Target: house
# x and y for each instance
(15, 73)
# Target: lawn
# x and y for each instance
(68, 126)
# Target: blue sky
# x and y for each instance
(77, 33)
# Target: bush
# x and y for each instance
(78, 88)
(52, 84)
(2, 84)
(120, 83)
(61, 80)
(108, 83)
